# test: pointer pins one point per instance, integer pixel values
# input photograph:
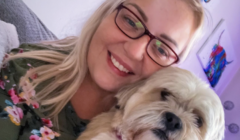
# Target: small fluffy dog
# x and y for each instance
(173, 104)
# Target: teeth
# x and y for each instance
(119, 66)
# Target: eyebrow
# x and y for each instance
(169, 39)
(139, 10)
(146, 19)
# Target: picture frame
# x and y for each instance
(217, 58)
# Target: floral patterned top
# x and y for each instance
(20, 117)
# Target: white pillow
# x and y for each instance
(8, 38)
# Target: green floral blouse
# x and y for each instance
(20, 117)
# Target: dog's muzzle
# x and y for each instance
(172, 122)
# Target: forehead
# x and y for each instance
(169, 17)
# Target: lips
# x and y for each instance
(123, 64)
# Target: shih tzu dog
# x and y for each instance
(173, 104)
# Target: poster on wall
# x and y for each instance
(217, 57)
(210, 4)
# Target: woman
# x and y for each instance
(123, 42)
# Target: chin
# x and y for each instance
(106, 82)
(172, 104)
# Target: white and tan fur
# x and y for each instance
(143, 108)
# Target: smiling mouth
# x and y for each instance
(160, 134)
(118, 65)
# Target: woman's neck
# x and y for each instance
(90, 100)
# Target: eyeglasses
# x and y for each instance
(132, 26)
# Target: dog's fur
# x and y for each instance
(142, 107)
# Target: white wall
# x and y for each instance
(63, 17)
(232, 93)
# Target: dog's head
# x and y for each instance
(173, 104)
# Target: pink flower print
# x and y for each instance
(20, 50)
(35, 104)
(28, 99)
(5, 57)
(28, 93)
(47, 122)
(28, 88)
(47, 133)
(2, 84)
(4, 65)
(34, 137)
(11, 92)
(33, 76)
(29, 65)
(15, 114)
(14, 97)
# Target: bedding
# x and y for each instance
(30, 29)
(8, 39)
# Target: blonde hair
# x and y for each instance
(198, 12)
(67, 71)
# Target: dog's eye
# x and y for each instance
(164, 95)
(117, 106)
(199, 122)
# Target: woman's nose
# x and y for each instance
(136, 48)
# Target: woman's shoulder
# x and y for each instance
(21, 115)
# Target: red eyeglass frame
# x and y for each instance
(147, 32)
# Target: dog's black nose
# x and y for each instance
(172, 123)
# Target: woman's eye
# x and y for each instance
(162, 51)
(161, 48)
(130, 22)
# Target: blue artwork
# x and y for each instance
(206, 1)
(218, 58)
(217, 63)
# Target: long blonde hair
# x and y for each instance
(67, 71)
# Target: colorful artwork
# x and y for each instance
(217, 57)
(206, 1)
(217, 63)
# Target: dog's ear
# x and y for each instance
(126, 92)
(210, 108)
(219, 123)
(132, 102)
